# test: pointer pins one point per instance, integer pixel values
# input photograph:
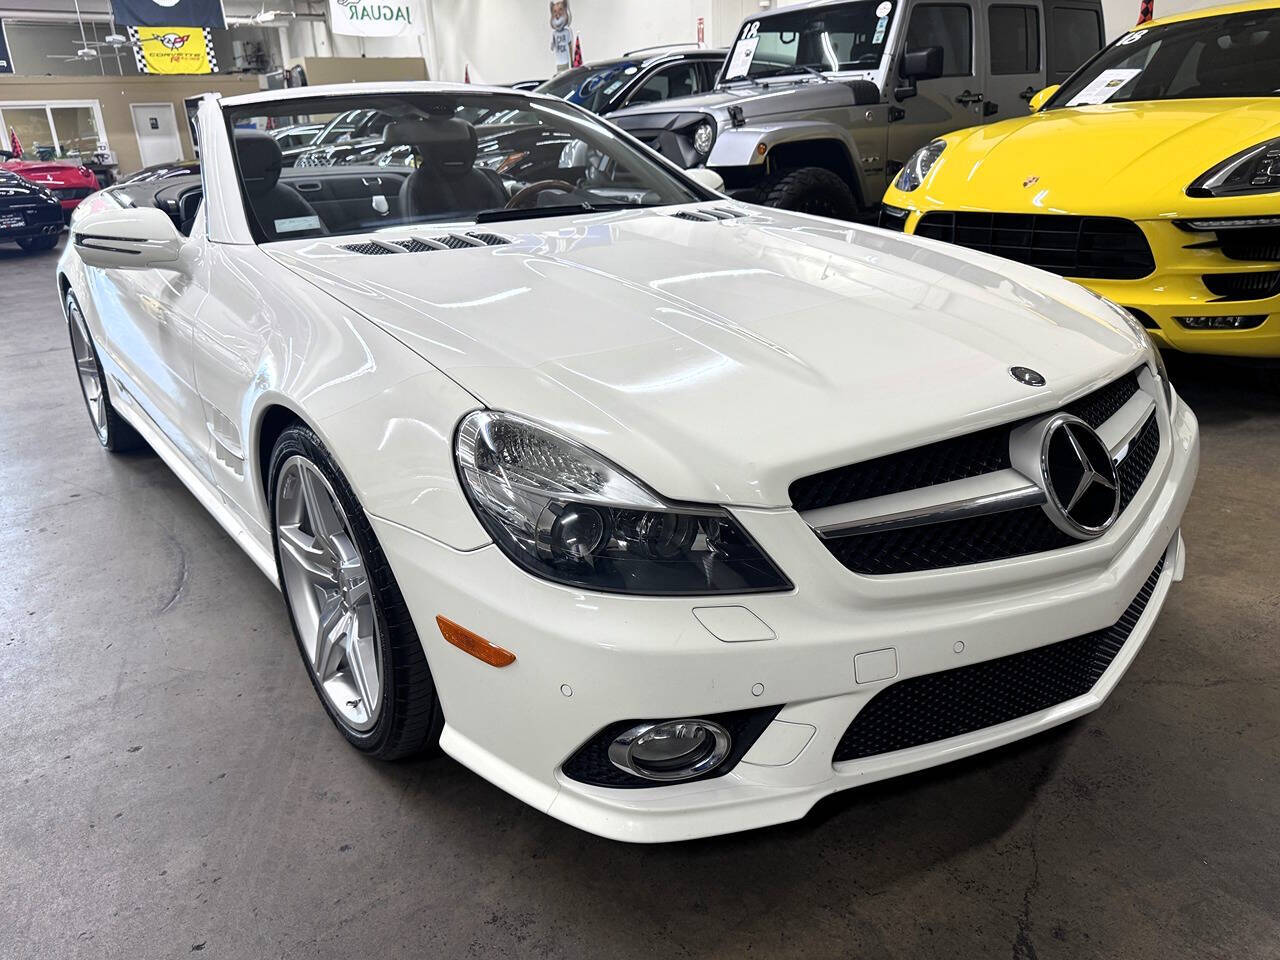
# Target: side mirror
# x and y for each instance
(1041, 98)
(135, 238)
(922, 63)
(706, 178)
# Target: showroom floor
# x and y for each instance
(169, 784)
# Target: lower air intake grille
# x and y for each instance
(938, 706)
(1104, 248)
(1243, 286)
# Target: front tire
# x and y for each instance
(112, 430)
(813, 190)
(349, 618)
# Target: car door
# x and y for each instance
(948, 102)
(148, 322)
(1015, 63)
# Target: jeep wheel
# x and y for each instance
(810, 190)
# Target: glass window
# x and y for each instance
(77, 132)
(848, 36)
(1076, 36)
(1015, 39)
(1236, 55)
(31, 124)
(594, 86)
(680, 80)
(444, 157)
(945, 25)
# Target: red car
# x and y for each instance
(70, 183)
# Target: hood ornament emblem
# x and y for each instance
(1030, 181)
(1027, 376)
(1081, 485)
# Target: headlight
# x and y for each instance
(1256, 170)
(919, 164)
(704, 138)
(566, 514)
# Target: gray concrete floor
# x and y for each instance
(169, 785)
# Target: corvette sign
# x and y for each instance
(376, 18)
(173, 50)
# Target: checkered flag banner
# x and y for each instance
(173, 50)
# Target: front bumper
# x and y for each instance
(1175, 289)
(585, 660)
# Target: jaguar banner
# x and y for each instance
(169, 13)
(376, 18)
(173, 50)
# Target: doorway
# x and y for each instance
(156, 128)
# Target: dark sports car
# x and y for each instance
(30, 215)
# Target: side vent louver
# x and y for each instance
(449, 241)
(708, 215)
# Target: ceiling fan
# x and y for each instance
(86, 51)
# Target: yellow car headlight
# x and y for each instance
(918, 165)
(1256, 170)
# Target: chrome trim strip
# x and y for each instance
(955, 500)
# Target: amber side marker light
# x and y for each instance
(474, 644)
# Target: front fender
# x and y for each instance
(740, 146)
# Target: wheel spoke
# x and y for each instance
(321, 515)
(331, 634)
(363, 667)
(307, 553)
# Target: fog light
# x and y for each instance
(672, 749)
(1229, 322)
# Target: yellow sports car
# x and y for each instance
(1151, 176)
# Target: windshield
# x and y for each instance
(444, 157)
(593, 86)
(1237, 55)
(848, 36)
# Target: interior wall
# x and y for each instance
(115, 94)
(507, 40)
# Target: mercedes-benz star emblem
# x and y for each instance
(1032, 378)
(1081, 486)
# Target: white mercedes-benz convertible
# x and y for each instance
(668, 514)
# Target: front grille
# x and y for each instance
(1243, 286)
(970, 455)
(953, 543)
(1103, 248)
(938, 706)
(590, 763)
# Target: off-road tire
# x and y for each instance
(810, 190)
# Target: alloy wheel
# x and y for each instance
(87, 367)
(326, 585)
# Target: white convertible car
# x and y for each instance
(668, 514)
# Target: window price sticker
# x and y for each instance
(1103, 87)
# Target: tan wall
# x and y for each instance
(362, 69)
(114, 94)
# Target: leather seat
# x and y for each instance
(274, 203)
(447, 180)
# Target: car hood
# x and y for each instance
(1125, 159)
(771, 97)
(720, 360)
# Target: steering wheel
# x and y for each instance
(532, 190)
